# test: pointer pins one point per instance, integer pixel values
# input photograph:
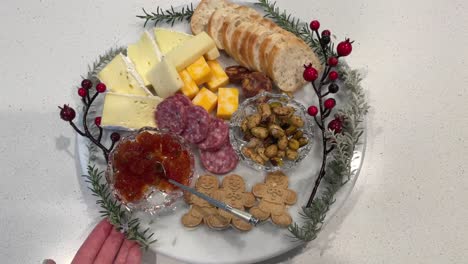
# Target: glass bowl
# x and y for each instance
(248, 107)
(154, 200)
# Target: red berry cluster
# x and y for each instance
(329, 76)
(68, 114)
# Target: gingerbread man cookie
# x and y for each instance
(233, 193)
(274, 196)
(200, 209)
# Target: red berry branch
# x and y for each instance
(325, 105)
(68, 114)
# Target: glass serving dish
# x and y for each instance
(158, 196)
(248, 107)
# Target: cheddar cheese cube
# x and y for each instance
(218, 77)
(190, 88)
(228, 102)
(199, 71)
(206, 99)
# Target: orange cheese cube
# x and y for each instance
(206, 99)
(218, 77)
(190, 88)
(228, 102)
(199, 71)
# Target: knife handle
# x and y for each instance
(243, 215)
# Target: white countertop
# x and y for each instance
(410, 201)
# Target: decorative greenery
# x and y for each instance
(169, 16)
(337, 171)
(112, 209)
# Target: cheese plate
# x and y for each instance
(202, 244)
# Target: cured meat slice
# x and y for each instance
(182, 98)
(171, 115)
(197, 124)
(221, 161)
(217, 136)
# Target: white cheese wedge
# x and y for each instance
(129, 111)
(145, 55)
(168, 40)
(165, 79)
(190, 50)
(121, 77)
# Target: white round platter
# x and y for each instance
(205, 246)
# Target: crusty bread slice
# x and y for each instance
(237, 40)
(254, 46)
(267, 45)
(216, 23)
(286, 64)
(203, 12)
(231, 22)
(244, 45)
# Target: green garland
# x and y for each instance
(121, 218)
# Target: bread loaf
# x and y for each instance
(255, 42)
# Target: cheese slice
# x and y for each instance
(165, 79)
(145, 55)
(121, 77)
(168, 39)
(190, 50)
(129, 111)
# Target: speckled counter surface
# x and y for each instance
(409, 204)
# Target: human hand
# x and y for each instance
(107, 245)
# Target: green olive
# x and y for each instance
(293, 144)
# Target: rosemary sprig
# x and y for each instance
(338, 168)
(112, 209)
(169, 16)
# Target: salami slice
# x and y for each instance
(198, 124)
(221, 161)
(182, 98)
(217, 136)
(171, 115)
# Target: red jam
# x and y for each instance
(136, 165)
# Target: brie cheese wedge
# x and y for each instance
(129, 112)
(121, 77)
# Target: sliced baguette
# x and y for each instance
(286, 64)
(265, 49)
(254, 46)
(203, 12)
(244, 45)
(238, 41)
(231, 22)
(216, 23)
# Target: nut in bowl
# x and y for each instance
(271, 132)
(135, 174)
